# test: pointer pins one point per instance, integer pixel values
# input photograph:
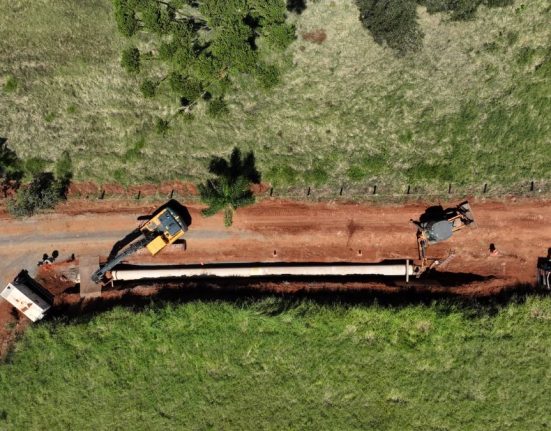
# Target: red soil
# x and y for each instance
(298, 231)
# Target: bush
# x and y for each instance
(393, 22)
(43, 192)
(217, 108)
(148, 88)
(130, 60)
(162, 126)
(268, 75)
(35, 165)
(10, 85)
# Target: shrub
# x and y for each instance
(268, 76)
(43, 192)
(125, 17)
(148, 88)
(162, 126)
(10, 84)
(217, 108)
(35, 165)
(393, 22)
(64, 166)
(130, 60)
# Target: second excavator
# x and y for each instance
(437, 224)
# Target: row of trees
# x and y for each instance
(193, 49)
(394, 22)
(229, 189)
(45, 188)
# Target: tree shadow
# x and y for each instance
(296, 6)
(237, 166)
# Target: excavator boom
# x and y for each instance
(162, 229)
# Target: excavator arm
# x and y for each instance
(97, 276)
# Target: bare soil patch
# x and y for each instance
(315, 36)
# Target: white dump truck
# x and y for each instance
(29, 297)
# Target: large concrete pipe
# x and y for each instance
(404, 269)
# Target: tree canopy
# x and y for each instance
(394, 22)
(231, 188)
(194, 48)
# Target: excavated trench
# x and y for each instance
(478, 294)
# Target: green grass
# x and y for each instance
(276, 364)
(473, 106)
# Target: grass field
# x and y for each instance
(275, 364)
(472, 106)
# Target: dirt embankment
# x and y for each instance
(276, 230)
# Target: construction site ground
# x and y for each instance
(286, 231)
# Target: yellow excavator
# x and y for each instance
(164, 227)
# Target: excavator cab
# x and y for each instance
(164, 228)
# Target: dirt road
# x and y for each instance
(276, 230)
(520, 229)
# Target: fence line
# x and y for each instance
(373, 192)
(370, 193)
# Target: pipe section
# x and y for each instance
(405, 269)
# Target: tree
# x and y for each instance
(195, 48)
(393, 22)
(231, 188)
